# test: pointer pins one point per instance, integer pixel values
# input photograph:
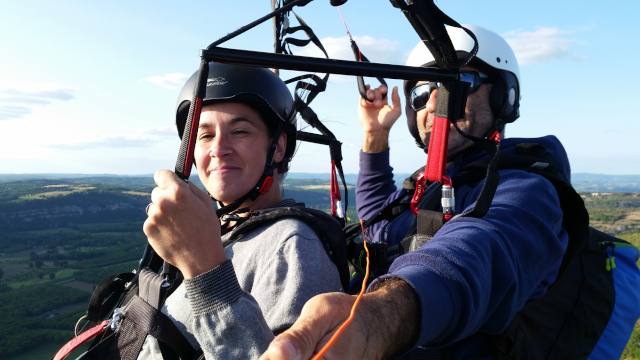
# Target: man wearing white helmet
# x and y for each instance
(470, 279)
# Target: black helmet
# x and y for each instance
(257, 87)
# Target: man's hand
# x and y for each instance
(386, 323)
(377, 118)
(183, 227)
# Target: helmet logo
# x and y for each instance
(216, 81)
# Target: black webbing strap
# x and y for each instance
(313, 90)
(491, 181)
(430, 201)
(389, 212)
(428, 21)
(140, 318)
(104, 298)
(407, 245)
(327, 138)
(429, 222)
(320, 83)
(255, 23)
(149, 287)
(302, 42)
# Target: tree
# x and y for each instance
(30, 265)
(1, 273)
(40, 275)
(52, 276)
(39, 264)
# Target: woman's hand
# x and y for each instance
(183, 227)
(377, 118)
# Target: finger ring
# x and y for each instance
(147, 209)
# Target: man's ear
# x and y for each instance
(281, 148)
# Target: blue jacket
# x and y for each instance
(475, 274)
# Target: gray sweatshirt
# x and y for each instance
(233, 311)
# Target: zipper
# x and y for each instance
(610, 263)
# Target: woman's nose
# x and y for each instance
(220, 147)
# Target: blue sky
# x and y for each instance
(90, 87)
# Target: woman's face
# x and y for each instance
(231, 149)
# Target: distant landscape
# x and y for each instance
(60, 234)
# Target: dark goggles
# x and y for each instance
(421, 93)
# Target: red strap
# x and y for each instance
(437, 156)
(335, 189)
(79, 340)
(193, 133)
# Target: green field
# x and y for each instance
(59, 238)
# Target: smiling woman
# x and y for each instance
(228, 151)
(244, 281)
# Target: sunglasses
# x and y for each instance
(421, 93)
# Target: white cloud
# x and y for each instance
(142, 138)
(543, 45)
(20, 99)
(169, 81)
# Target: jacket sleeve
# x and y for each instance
(230, 323)
(475, 274)
(375, 186)
(227, 321)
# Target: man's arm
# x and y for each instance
(475, 274)
(385, 324)
(377, 118)
(375, 177)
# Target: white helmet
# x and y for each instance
(494, 58)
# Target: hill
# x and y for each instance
(59, 236)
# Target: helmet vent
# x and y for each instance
(498, 59)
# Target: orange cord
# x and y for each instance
(344, 326)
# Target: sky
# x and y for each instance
(91, 87)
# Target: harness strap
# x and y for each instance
(429, 222)
(336, 199)
(150, 285)
(491, 182)
(388, 213)
(409, 244)
(312, 36)
(140, 317)
(438, 144)
(104, 298)
(79, 340)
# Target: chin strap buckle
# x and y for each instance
(266, 185)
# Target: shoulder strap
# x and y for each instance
(327, 227)
(141, 316)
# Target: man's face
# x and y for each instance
(231, 149)
(477, 121)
